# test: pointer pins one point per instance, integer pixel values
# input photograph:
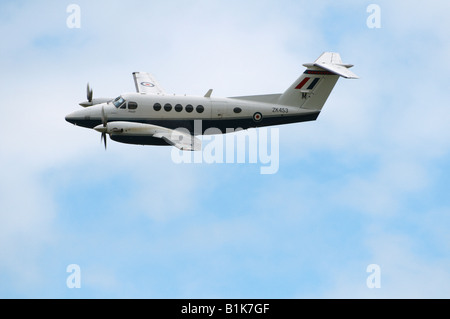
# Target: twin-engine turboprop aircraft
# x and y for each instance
(152, 117)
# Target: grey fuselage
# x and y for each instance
(199, 115)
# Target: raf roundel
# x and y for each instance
(147, 84)
(257, 117)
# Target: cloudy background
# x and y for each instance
(367, 183)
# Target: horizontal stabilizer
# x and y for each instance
(331, 61)
(338, 69)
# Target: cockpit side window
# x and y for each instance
(119, 102)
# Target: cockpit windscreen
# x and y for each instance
(118, 101)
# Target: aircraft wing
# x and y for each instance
(180, 139)
(146, 84)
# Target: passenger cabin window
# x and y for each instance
(168, 107)
(132, 105)
(178, 108)
(119, 102)
(189, 108)
(157, 107)
(237, 110)
(200, 108)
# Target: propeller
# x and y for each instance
(89, 93)
(103, 128)
(90, 98)
(104, 123)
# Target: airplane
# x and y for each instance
(150, 116)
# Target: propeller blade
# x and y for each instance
(104, 122)
(89, 93)
(104, 119)
(104, 138)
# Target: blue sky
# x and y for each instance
(367, 183)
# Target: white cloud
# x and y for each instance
(394, 117)
(27, 215)
(405, 273)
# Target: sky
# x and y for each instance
(364, 187)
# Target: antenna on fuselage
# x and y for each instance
(208, 94)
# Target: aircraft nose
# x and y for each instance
(70, 118)
(76, 117)
(89, 117)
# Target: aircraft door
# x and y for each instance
(219, 109)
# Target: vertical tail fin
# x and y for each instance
(312, 88)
